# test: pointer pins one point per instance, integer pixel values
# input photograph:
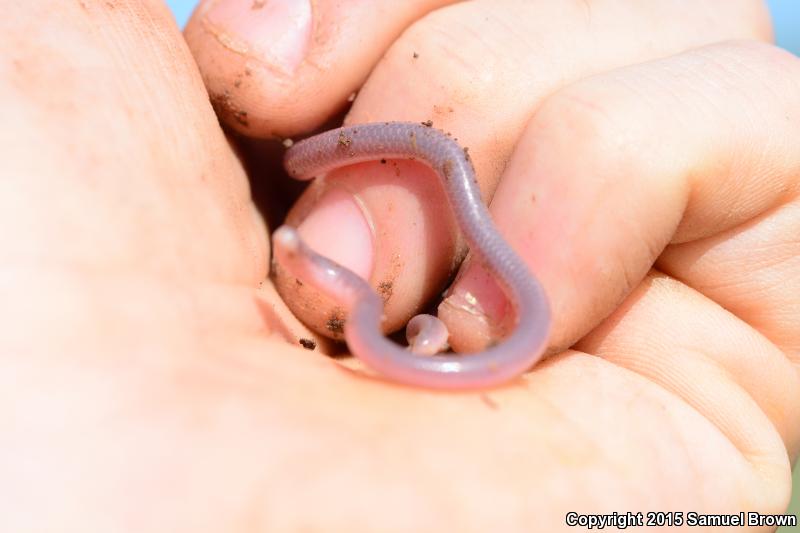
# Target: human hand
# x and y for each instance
(138, 352)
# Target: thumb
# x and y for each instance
(268, 65)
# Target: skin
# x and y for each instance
(364, 307)
(153, 380)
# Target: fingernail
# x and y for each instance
(277, 32)
(338, 228)
(474, 310)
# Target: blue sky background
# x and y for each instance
(786, 18)
(785, 13)
(182, 9)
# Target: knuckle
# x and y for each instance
(743, 61)
(449, 40)
(607, 123)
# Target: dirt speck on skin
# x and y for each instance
(308, 344)
(335, 323)
(413, 136)
(415, 55)
(224, 107)
(466, 154)
(383, 161)
(385, 289)
(428, 123)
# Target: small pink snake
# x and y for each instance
(401, 140)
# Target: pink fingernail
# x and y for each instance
(477, 290)
(277, 32)
(338, 229)
(474, 310)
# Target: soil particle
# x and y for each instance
(308, 344)
(224, 106)
(344, 140)
(385, 289)
(335, 323)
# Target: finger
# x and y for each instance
(751, 270)
(719, 365)
(281, 67)
(104, 147)
(481, 68)
(613, 169)
(101, 181)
